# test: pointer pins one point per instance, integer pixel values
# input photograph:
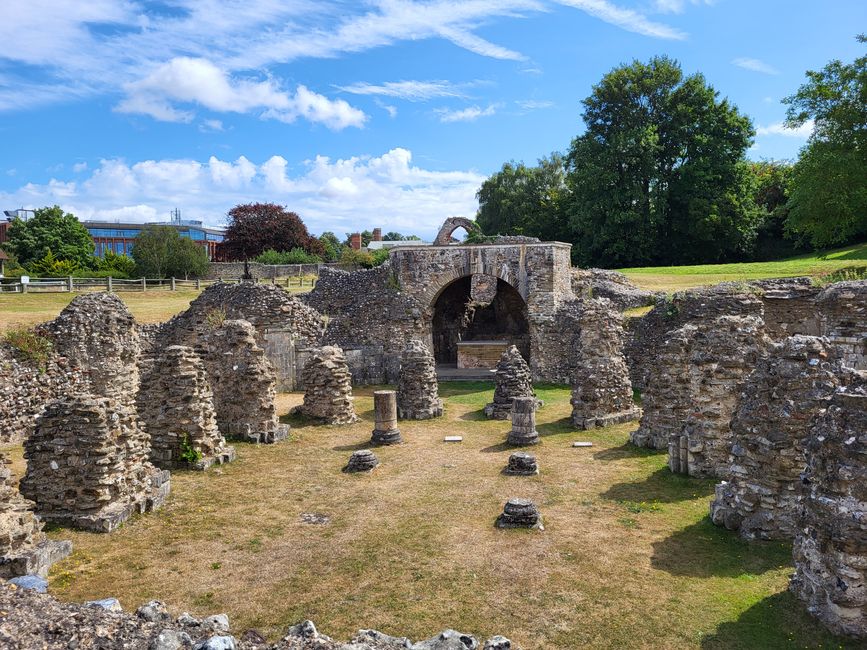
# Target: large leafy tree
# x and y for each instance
(256, 227)
(160, 252)
(659, 175)
(50, 230)
(828, 201)
(522, 200)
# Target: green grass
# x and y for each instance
(674, 278)
(628, 557)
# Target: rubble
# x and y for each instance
(362, 460)
(520, 513)
(613, 285)
(521, 464)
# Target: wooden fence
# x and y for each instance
(70, 284)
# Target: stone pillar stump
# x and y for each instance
(523, 422)
(385, 409)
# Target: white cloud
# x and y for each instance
(338, 195)
(414, 91)
(79, 167)
(199, 81)
(678, 6)
(208, 126)
(779, 128)
(534, 104)
(465, 115)
(756, 65)
(627, 19)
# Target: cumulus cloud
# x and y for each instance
(470, 114)
(331, 194)
(779, 128)
(199, 81)
(756, 65)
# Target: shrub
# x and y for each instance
(189, 454)
(52, 267)
(31, 345)
(295, 256)
(117, 266)
(215, 318)
(847, 273)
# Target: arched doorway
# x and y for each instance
(458, 318)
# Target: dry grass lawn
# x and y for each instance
(628, 557)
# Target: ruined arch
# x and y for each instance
(451, 224)
(478, 308)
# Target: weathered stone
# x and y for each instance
(788, 389)
(362, 460)
(830, 549)
(616, 287)
(176, 408)
(31, 583)
(385, 413)
(601, 390)
(520, 513)
(243, 383)
(109, 604)
(498, 643)
(512, 380)
(328, 387)
(521, 464)
(448, 640)
(789, 306)
(417, 387)
(843, 308)
(523, 430)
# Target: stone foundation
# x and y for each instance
(328, 387)
(512, 380)
(176, 408)
(417, 387)
(243, 383)
(830, 549)
(770, 426)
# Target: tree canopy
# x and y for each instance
(829, 190)
(256, 227)
(160, 252)
(52, 230)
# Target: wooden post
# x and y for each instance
(23, 287)
(144, 286)
(198, 283)
(108, 284)
(173, 284)
(69, 284)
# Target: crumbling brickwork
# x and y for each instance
(616, 287)
(720, 356)
(23, 547)
(511, 380)
(601, 391)
(789, 306)
(243, 383)
(830, 549)
(417, 386)
(843, 308)
(328, 387)
(770, 426)
(176, 408)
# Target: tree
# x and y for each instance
(521, 200)
(160, 252)
(255, 227)
(393, 236)
(331, 246)
(50, 229)
(828, 201)
(772, 183)
(659, 175)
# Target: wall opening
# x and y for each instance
(457, 318)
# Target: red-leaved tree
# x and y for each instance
(256, 227)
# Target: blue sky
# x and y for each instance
(355, 114)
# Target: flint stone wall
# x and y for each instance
(843, 308)
(512, 379)
(613, 285)
(692, 391)
(649, 333)
(788, 389)
(26, 388)
(417, 387)
(328, 387)
(283, 324)
(790, 307)
(830, 549)
(176, 408)
(219, 270)
(243, 383)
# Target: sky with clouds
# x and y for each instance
(355, 114)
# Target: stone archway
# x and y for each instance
(444, 236)
(474, 318)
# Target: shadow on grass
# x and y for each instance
(778, 621)
(503, 446)
(627, 450)
(563, 425)
(456, 388)
(703, 550)
(474, 416)
(663, 486)
(364, 444)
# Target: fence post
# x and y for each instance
(69, 283)
(23, 287)
(173, 284)
(198, 283)
(108, 284)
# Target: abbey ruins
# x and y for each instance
(760, 386)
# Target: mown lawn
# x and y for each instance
(675, 278)
(628, 558)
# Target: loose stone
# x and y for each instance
(521, 464)
(362, 460)
(520, 513)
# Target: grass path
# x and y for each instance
(628, 557)
(675, 278)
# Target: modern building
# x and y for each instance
(120, 237)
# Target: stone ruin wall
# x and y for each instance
(370, 318)
(328, 387)
(418, 387)
(616, 287)
(830, 548)
(843, 313)
(511, 380)
(788, 389)
(721, 355)
(790, 307)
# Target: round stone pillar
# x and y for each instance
(523, 422)
(385, 409)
